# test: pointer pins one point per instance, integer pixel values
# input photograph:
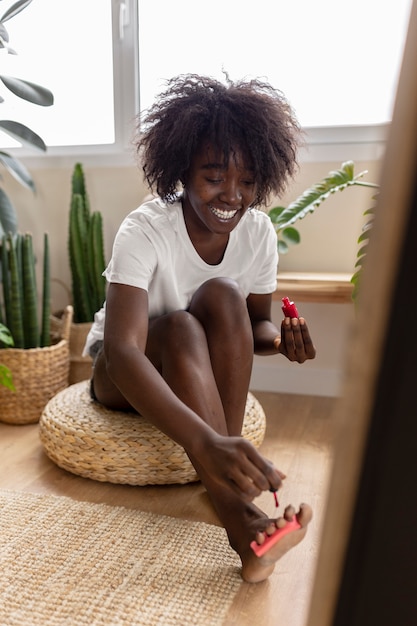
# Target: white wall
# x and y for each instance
(329, 325)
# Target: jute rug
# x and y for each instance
(64, 562)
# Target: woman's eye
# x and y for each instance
(214, 181)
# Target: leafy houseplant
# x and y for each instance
(39, 366)
(283, 218)
(39, 369)
(30, 92)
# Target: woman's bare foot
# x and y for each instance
(258, 568)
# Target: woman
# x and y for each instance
(190, 284)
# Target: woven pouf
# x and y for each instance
(87, 439)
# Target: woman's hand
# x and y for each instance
(236, 463)
(295, 342)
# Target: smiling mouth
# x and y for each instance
(223, 215)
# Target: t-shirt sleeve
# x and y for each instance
(133, 258)
(266, 278)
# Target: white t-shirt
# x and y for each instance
(152, 250)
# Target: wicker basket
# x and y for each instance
(38, 374)
(87, 439)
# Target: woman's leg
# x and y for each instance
(205, 355)
(220, 307)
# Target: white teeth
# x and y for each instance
(223, 215)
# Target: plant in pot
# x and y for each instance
(41, 96)
(87, 264)
(283, 218)
(39, 362)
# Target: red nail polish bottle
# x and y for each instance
(288, 308)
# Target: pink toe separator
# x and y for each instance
(272, 539)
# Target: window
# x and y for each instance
(337, 63)
(59, 54)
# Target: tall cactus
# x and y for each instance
(20, 295)
(86, 251)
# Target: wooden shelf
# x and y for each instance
(314, 287)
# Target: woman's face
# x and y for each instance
(217, 195)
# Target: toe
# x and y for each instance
(260, 538)
(305, 514)
(280, 522)
(289, 513)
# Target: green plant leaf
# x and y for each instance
(5, 277)
(282, 247)
(4, 35)
(16, 8)
(18, 170)
(365, 234)
(287, 237)
(290, 235)
(8, 216)
(23, 133)
(30, 294)
(356, 281)
(6, 378)
(275, 213)
(28, 91)
(6, 336)
(311, 198)
(15, 323)
(361, 253)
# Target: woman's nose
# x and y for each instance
(232, 193)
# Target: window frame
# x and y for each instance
(327, 143)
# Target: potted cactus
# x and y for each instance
(86, 252)
(87, 264)
(39, 363)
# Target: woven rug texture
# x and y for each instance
(64, 562)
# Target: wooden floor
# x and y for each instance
(299, 438)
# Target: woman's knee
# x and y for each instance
(175, 330)
(221, 300)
